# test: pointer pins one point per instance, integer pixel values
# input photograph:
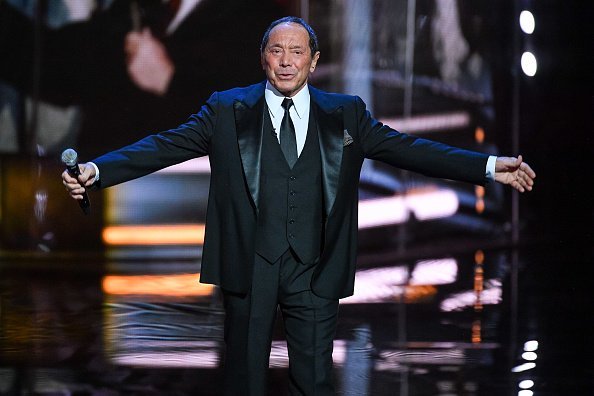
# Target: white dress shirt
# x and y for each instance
(299, 112)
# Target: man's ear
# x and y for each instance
(314, 61)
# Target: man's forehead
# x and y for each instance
(289, 28)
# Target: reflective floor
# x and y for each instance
(481, 322)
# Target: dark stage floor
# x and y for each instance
(455, 325)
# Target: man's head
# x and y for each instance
(289, 53)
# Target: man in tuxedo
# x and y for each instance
(282, 212)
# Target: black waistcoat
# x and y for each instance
(290, 209)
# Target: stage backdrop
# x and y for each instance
(98, 75)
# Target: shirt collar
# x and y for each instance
(274, 100)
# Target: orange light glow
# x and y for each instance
(479, 276)
(418, 293)
(479, 135)
(476, 332)
(479, 279)
(479, 257)
(479, 205)
(479, 191)
(174, 234)
(161, 285)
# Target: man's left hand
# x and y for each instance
(515, 172)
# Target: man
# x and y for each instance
(282, 218)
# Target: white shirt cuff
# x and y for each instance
(489, 172)
(96, 179)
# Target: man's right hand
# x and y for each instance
(77, 187)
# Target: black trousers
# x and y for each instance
(309, 322)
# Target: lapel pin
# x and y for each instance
(348, 139)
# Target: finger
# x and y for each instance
(526, 184)
(517, 185)
(77, 191)
(519, 160)
(86, 173)
(67, 179)
(78, 197)
(73, 186)
(70, 182)
(527, 178)
(526, 181)
(70, 187)
(504, 164)
(528, 170)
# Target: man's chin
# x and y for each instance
(286, 88)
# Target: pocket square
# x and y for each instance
(348, 139)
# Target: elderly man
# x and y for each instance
(282, 211)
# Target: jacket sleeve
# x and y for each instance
(189, 140)
(430, 158)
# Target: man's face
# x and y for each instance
(287, 58)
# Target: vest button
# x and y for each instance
(292, 192)
(292, 178)
(291, 221)
(291, 236)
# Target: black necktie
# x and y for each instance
(288, 140)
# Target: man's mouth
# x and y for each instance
(285, 76)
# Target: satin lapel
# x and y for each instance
(331, 137)
(249, 126)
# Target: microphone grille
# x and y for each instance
(69, 157)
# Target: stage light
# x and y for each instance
(525, 392)
(430, 122)
(175, 285)
(523, 367)
(526, 384)
(528, 63)
(378, 285)
(529, 356)
(166, 234)
(428, 204)
(435, 272)
(527, 22)
(382, 212)
(531, 346)
(490, 295)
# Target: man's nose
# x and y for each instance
(285, 59)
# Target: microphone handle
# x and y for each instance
(84, 203)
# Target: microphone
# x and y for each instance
(70, 159)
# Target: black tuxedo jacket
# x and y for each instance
(229, 128)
